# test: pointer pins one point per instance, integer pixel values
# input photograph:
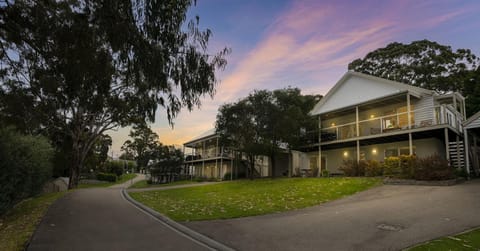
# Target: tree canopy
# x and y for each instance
(426, 64)
(79, 68)
(267, 122)
(142, 146)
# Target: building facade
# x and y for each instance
(361, 118)
(368, 118)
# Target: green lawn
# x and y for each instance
(246, 198)
(466, 241)
(18, 224)
(143, 184)
(124, 178)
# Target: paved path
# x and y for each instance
(383, 218)
(100, 219)
(174, 186)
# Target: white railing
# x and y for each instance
(394, 122)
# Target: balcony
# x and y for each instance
(419, 118)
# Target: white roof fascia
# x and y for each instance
(413, 90)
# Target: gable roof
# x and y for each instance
(355, 88)
(473, 121)
(208, 134)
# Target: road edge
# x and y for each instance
(207, 241)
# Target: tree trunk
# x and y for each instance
(75, 168)
(252, 167)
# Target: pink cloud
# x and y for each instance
(310, 45)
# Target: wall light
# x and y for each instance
(333, 124)
(372, 116)
(374, 151)
(345, 154)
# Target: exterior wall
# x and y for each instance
(211, 170)
(423, 111)
(353, 92)
(378, 152)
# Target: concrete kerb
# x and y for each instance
(208, 242)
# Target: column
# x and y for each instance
(447, 150)
(466, 148)
(410, 144)
(356, 121)
(358, 151)
(409, 116)
(319, 147)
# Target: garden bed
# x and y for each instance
(450, 182)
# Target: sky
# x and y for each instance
(306, 44)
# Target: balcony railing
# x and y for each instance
(208, 156)
(424, 117)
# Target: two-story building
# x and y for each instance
(369, 118)
(206, 157)
(361, 118)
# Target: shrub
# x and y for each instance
(227, 176)
(373, 168)
(110, 177)
(391, 167)
(354, 168)
(433, 168)
(116, 167)
(25, 166)
(408, 166)
(325, 173)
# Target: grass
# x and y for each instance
(465, 241)
(247, 198)
(144, 184)
(124, 178)
(18, 224)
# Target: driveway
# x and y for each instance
(101, 219)
(384, 218)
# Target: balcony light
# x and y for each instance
(374, 151)
(333, 124)
(345, 154)
(372, 116)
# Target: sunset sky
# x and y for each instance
(307, 44)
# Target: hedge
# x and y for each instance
(110, 177)
(25, 166)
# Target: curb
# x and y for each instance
(210, 243)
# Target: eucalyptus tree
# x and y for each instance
(81, 68)
(425, 64)
(267, 122)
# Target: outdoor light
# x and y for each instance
(372, 116)
(374, 151)
(333, 124)
(345, 154)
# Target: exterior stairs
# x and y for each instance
(457, 154)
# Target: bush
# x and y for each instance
(25, 166)
(433, 168)
(110, 177)
(373, 168)
(391, 167)
(325, 173)
(227, 176)
(408, 166)
(354, 168)
(116, 167)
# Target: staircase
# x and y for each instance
(457, 154)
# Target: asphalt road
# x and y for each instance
(384, 218)
(101, 219)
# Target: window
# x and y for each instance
(391, 152)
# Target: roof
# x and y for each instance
(356, 88)
(473, 121)
(208, 134)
